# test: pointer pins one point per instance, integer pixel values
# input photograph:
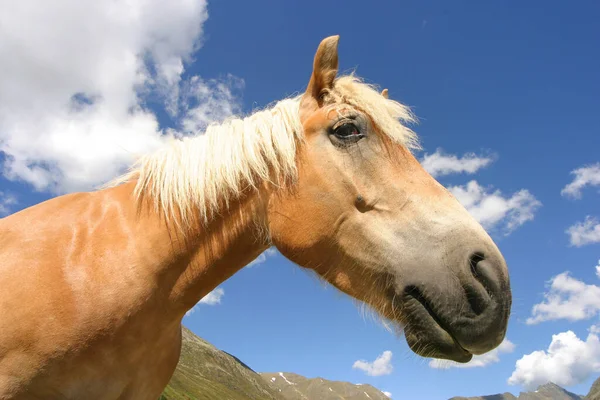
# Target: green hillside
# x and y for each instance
(207, 373)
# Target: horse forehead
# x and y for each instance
(335, 110)
(326, 115)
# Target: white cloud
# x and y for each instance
(568, 361)
(262, 257)
(481, 360)
(7, 200)
(586, 232)
(584, 176)
(209, 101)
(439, 164)
(493, 210)
(388, 394)
(567, 298)
(211, 299)
(76, 78)
(381, 366)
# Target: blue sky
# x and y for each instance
(507, 96)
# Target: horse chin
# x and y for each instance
(427, 338)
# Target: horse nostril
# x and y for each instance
(479, 294)
(473, 261)
(483, 270)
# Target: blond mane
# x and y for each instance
(196, 176)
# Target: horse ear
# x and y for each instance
(385, 93)
(325, 69)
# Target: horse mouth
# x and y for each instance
(427, 334)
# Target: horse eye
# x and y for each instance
(346, 131)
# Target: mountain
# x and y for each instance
(549, 391)
(297, 387)
(594, 393)
(207, 373)
(500, 396)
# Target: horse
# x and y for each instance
(95, 284)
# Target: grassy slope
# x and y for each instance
(206, 373)
(594, 393)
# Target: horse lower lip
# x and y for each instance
(424, 319)
(416, 295)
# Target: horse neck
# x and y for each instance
(188, 265)
(220, 249)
